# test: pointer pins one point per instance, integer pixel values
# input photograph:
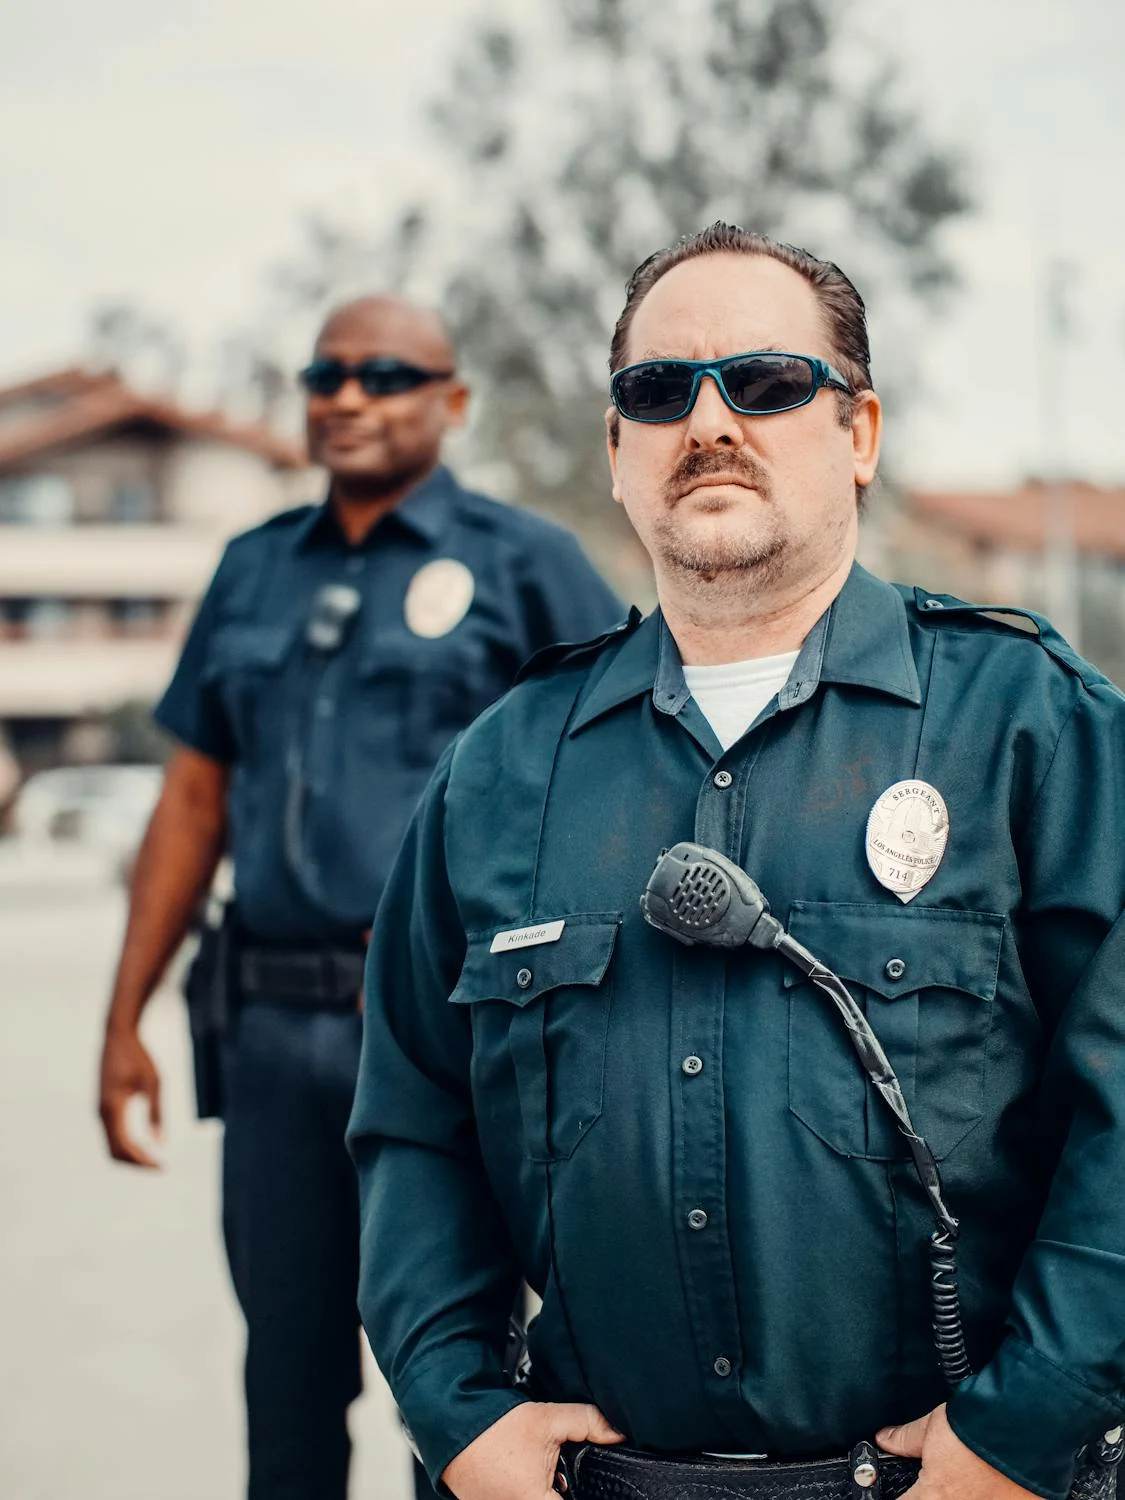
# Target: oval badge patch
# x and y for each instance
(906, 837)
(438, 597)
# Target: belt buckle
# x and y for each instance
(328, 978)
(340, 978)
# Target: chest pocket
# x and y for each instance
(425, 691)
(926, 979)
(245, 663)
(540, 1020)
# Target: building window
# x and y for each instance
(131, 502)
(137, 616)
(36, 500)
(46, 619)
(36, 619)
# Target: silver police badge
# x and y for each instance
(439, 597)
(906, 837)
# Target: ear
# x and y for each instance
(867, 433)
(457, 403)
(612, 446)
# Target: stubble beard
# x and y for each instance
(761, 556)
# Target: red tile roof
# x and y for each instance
(1019, 520)
(88, 404)
(72, 381)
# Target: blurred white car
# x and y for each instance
(104, 807)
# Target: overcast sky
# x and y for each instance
(164, 153)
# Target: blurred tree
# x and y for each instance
(253, 383)
(333, 261)
(581, 143)
(122, 336)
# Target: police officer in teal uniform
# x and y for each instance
(674, 1145)
(338, 649)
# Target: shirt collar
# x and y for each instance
(424, 511)
(629, 673)
(861, 640)
(866, 641)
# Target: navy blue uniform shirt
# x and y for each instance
(331, 751)
(677, 1148)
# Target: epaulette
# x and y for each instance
(940, 608)
(548, 657)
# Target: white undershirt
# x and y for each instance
(732, 695)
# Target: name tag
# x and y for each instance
(527, 937)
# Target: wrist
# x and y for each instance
(1027, 1418)
(123, 1021)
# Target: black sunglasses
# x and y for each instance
(377, 377)
(758, 384)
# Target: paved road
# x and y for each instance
(119, 1337)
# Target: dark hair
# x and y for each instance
(840, 303)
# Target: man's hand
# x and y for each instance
(173, 869)
(516, 1458)
(950, 1471)
(127, 1069)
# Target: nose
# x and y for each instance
(711, 423)
(350, 396)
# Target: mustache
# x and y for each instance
(696, 466)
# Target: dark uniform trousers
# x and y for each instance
(290, 1221)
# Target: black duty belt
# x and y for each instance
(328, 977)
(590, 1472)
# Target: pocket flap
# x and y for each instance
(397, 654)
(234, 646)
(898, 952)
(388, 655)
(580, 955)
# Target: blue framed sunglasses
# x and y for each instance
(760, 383)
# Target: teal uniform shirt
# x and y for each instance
(676, 1148)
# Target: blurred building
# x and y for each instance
(995, 548)
(114, 507)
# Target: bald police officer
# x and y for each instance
(337, 651)
(676, 1145)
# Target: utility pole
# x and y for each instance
(1060, 551)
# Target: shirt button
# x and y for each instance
(354, 565)
(523, 978)
(894, 968)
(932, 604)
(324, 708)
(697, 1219)
(722, 1366)
(692, 1065)
(723, 779)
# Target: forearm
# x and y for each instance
(1058, 1379)
(177, 859)
(438, 1270)
(439, 1337)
